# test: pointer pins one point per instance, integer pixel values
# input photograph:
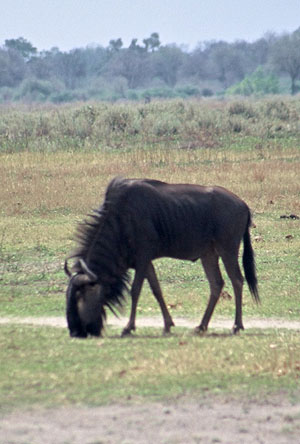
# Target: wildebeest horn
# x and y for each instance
(66, 268)
(92, 276)
(81, 279)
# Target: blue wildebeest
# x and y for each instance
(142, 220)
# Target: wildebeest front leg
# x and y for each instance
(139, 277)
(155, 287)
(213, 274)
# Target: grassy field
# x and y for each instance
(44, 366)
(54, 166)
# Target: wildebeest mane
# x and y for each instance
(87, 233)
(99, 243)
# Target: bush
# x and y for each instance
(118, 120)
(162, 93)
(67, 96)
(207, 92)
(6, 94)
(258, 83)
(240, 108)
(35, 90)
(187, 91)
(132, 95)
(277, 109)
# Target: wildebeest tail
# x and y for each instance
(249, 263)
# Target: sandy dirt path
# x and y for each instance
(219, 323)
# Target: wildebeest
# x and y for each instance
(141, 220)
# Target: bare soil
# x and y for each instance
(217, 322)
(181, 421)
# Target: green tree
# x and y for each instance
(135, 47)
(43, 65)
(259, 50)
(115, 45)
(130, 64)
(22, 46)
(166, 63)
(285, 57)
(196, 63)
(95, 59)
(70, 67)
(152, 43)
(226, 62)
(12, 67)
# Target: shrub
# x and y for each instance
(277, 109)
(118, 120)
(35, 90)
(258, 83)
(241, 108)
(163, 93)
(187, 91)
(207, 92)
(6, 94)
(132, 95)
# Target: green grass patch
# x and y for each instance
(44, 366)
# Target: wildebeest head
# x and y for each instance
(85, 311)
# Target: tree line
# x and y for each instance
(148, 69)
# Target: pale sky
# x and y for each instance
(69, 24)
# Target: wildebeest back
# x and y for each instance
(179, 221)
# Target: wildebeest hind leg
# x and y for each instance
(233, 270)
(155, 287)
(213, 274)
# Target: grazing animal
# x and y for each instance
(142, 220)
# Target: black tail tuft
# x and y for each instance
(249, 263)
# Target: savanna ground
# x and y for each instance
(55, 163)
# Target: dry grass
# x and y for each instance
(72, 183)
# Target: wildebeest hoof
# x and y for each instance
(125, 333)
(167, 332)
(236, 329)
(200, 330)
(167, 328)
(78, 334)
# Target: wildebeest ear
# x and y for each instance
(76, 268)
(66, 269)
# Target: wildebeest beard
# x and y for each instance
(87, 301)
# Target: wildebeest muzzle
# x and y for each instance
(83, 309)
